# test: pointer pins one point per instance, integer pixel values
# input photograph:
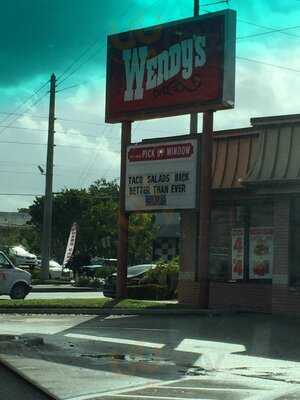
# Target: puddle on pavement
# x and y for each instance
(131, 358)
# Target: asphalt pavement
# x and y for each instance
(142, 357)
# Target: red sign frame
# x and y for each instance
(172, 69)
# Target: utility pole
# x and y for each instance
(47, 220)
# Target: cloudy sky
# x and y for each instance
(68, 37)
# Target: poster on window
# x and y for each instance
(237, 253)
(261, 253)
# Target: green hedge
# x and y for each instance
(165, 274)
(148, 292)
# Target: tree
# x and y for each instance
(96, 212)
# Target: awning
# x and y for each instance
(278, 160)
(234, 155)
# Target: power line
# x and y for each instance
(44, 131)
(91, 162)
(71, 87)
(57, 145)
(93, 55)
(268, 32)
(32, 105)
(25, 113)
(22, 143)
(269, 64)
(81, 121)
(21, 194)
(26, 100)
(270, 28)
(76, 60)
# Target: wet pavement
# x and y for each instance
(241, 356)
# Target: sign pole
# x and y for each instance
(205, 208)
(123, 216)
(205, 200)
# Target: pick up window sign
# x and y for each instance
(172, 69)
(161, 176)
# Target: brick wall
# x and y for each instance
(188, 292)
(241, 296)
(283, 300)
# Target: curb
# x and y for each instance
(9, 366)
(115, 311)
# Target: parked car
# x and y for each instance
(14, 281)
(135, 274)
(57, 271)
(22, 257)
(107, 262)
(90, 270)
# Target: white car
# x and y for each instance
(14, 281)
(22, 256)
(56, 271)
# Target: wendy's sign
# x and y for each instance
(172, 69)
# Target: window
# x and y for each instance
(261, 214)
(220, 243)
(241, 244)
(294, 261)
(4, 263)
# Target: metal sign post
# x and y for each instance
(205, 209)
(123, 216)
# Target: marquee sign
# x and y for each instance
(161, 176)
(172, 69)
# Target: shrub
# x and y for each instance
(165, 274)
(148, 292)
(104, 272)
(83, 281)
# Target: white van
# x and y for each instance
(14, 282)
(22, 256)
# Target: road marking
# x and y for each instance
(111, 393)
(206, 346)
(139, 396)
(116, 340)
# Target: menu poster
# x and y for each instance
(237, 253)
(261, 253)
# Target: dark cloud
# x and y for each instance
(41, 36)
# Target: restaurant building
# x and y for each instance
(255, 220)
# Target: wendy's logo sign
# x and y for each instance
(143, 73)
(172, 69)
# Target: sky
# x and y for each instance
(68, 37)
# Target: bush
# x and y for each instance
(105, 272)
(165, 274)
(148, 292)
(84, 281)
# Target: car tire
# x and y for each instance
(19, 291)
